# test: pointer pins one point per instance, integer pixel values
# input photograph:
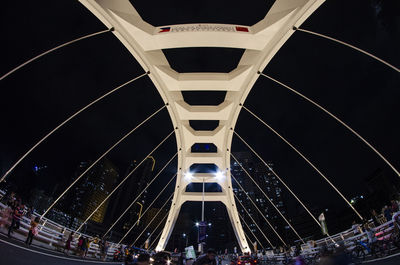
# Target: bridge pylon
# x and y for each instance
(260, 43)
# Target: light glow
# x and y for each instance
(188, 175)
(219, 175)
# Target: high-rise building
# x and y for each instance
(271, 187)
(90, 191)
(132, 187)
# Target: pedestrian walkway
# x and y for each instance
(13, 251)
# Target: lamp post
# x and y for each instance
(202, 204)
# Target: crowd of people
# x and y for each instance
(11, 217)
(165, 258)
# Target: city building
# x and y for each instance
(127, 193)
(90, 191)
(271, 187)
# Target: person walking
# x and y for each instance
(33, 231)
(16, 219)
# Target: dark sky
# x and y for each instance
(361, 91)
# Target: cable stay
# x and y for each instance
(66, 121)
(247, 237)
(53, 49)
(281, 180)
(137, 197)
(307, 160)
(148, 238)
(99, 159)
(248, 214)
(155, 239)
(337, 119)
(148, 208)
(258, 209)
(154, 217)
(123, 181)
(266, 196)
(348, 45)
(248, 227)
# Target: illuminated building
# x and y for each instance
(270, 185)
(90, 191)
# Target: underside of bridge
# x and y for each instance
(252, 46)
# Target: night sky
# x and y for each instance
(358, 89)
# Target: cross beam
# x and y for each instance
(260, 41)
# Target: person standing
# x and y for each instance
(80, 244)
(6, 214)
(394, 206)
(68, 243)
(387, 212)
(208, 258)
(16, 219)
(103, 249)
(33, 231)
(84, 247)
(88, 242)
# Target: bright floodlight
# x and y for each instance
(219, 174)
(188, 175)
(158, 249)
(197, 223)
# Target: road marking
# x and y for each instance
(58, 257)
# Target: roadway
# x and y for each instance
(15, 252)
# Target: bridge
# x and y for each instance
(146, 43)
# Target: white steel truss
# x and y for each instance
(260, 41)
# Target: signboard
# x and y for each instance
(204, 27)
(202, 231)
(190, 253)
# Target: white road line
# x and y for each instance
(387, 257)
(58, 257)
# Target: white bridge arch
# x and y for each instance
(260, 41)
